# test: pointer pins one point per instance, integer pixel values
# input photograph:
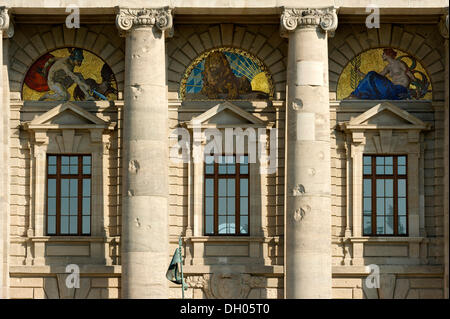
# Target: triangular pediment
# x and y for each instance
(226, 115)
(386, 115)
(67, 114)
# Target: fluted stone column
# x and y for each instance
(6, 31)
(308, 172)
(145, 239)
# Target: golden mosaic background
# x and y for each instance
(372, 60)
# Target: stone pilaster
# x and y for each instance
(308, 172)
(6, 31)
(145, 239)
(443, 26)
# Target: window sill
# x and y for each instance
(234, 238)
(386, 239)
(68, 239)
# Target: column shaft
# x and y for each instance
(308, 172)
(145, 238)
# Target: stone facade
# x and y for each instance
(306, 237)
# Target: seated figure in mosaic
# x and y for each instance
(376, 86)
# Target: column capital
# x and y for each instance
(5, 23)
(443, 25)
(293, 18)
(128, 18)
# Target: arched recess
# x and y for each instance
(263, 41)
(421, 41)
(31, 42)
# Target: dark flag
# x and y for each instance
(174, 271)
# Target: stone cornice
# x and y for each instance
(293, 18)
(128, 18)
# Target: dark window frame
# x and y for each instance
(58, 177)
(395, 177)
(237, 177)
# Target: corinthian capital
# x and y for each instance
(443, 25)
(293, 18)
(4, 19)
(160, 18)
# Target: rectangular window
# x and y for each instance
(226, 195)
(385, 211)
(68, 194)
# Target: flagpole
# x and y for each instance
(181, 267)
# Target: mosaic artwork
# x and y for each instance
(69, 74)
(226, 73)
(384, 74)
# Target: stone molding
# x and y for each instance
(293, 18)
(129, 18)
(443, 26)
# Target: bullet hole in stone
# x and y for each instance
(298, 190)
(297, 104)
(311, 171)
(321, 155)
(137, 222)
(130, 193)
(133, 166)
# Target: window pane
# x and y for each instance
(51, 226)
(222, 224)
(380, 188)
(388, 170)
(244, 205)
(209, 206)
(222, 206)
(51, 190)
(401, 160)
(402, 225)
(51, 206)
(367, 225)
(64, 169)
(380, 170)
(231, 187)
(367, 170)
(65, 160)
(402, 206)
(209, 187)
(243, 169)
(64, 224)
(379, 160)
(52, 160)
(86, 160)
(231, 169)
(367, 160)
(73, 169)
(86, 226)
(231, 209)
(401, 188)
(52, 170)
(389, 206)
(402, 170)
(222, 187)
(73, 188)
(243, 224)
(380, 225)
(389, 188)
(231, 224)
(243, 187)
(209, 159)
(380, 206)
(388, 160)
(64, 206)
(367, 188)
(74, 206)
(222, 169)
(86, 169)
(367, 204)
(389, 225)
(86, 206)
(74, 160)
(209, 169)
(209, 225)
(65, 187)
(73, 224)
(86, 187)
